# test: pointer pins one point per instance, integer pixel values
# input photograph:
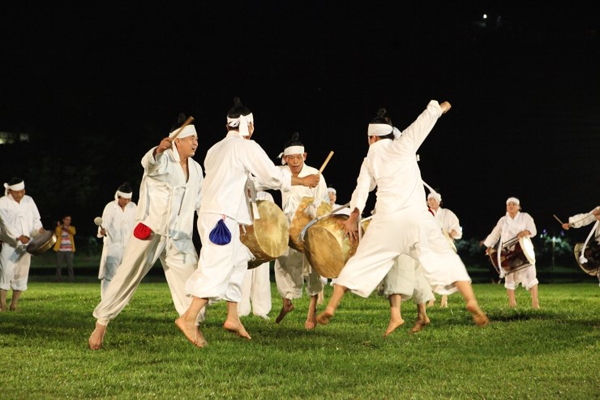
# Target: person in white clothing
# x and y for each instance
(256, 287)
(450, 227)
(169, 196)
(516, 224)
(332, 201)
(292, 268)
(402, 223)
(581, 220)
(118, 220)
(21, 220)
(404, 281)
(229, 164)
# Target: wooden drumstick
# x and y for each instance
(558, 219)
(186, 123)
(326, 162)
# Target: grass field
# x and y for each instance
(550, 353)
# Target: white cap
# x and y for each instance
(513, 200)
(331, 190)
(435, 195)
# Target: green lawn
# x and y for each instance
(550, 353)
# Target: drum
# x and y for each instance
(516, 254)
(592, 253)
(327, 247)
(267, 238)
(41, 243)
(301, 219)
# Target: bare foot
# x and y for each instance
(431, 303)
(478, 316)
(311, 322)
(325, 317)
(536, 306)
(237, 328)
(97, 337)
(444, 302)
(419, 325)
(191, 332)
(512, 305)
(15, 308)
(284, 310)
(394, 323)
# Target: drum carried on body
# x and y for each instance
(267, 237)
(517, 253)
(301, 219)
(327, 247)
(592, 254)
(41, 243)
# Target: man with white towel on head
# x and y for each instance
(118, 220)
(229, 164)
(450, 227)
(402, 223)
(169, 196)
(22, 221)
(516, 224)
(292, 268)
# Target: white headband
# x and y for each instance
(331, 190)
(513, 200)
(288, 151)
(16, 187)
(379, 129)
(123, 195)
(189, 130)
(242, 122)
(436, 196)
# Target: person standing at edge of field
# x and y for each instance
(516, 224)
(118, 220)
(22, 221)
(402, 223)
(229, 164)
(65, 247)
(169, 195)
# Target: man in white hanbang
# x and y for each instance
(256, 287)
(581, 220)
(169, 196)
(292, 268)
(406, 280)
(450, 227)
(332, 193)
(118, 220)
(402, 223)
(229, 164)
(516, 224)
(21, 220)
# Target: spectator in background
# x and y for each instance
(64, 247)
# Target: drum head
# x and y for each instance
(592, 254)
(267, 238)
(41, 243)
(527, 247)
(327, 247)
(302, 218)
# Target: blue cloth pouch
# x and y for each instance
(220, 234)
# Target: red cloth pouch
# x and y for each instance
(142, 232)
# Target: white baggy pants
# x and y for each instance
(526, 277)
(291, 269)
(221, 268)
(178, 258)
(256, 292)
(407, 279)
(412, 232)
(14, 268)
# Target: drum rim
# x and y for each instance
(45, 246)
(530, 258)
(577, 253)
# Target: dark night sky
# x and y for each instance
(525, 90)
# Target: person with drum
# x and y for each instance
(169, 196)
(450, 227)
(293, 269)
(516, 224)
(256, 288)
(579, 221)
(332, 201)
(22, 221)
(229, 164)
(118, 220)
(402, 223)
